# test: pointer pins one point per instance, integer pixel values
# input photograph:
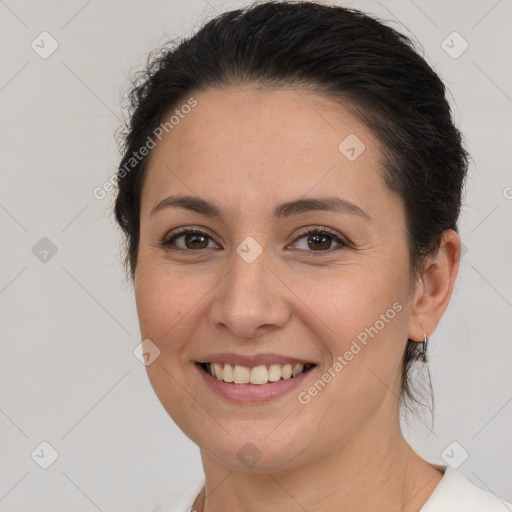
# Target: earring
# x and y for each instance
(423, 349)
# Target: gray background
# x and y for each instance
(68, 321)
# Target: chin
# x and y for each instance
(258, 453)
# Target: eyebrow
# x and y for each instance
(298, 206)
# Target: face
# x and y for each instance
(258, 283)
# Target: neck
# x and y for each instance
(375, 471)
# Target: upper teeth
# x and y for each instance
(255, 375)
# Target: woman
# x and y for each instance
(289, 190)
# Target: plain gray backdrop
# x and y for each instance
(69, 327)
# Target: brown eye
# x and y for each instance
(192, 240)
(320, 240)
(196, 241)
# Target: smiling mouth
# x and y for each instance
(259, 375)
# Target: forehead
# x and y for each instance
(279, 120)
(244, 145)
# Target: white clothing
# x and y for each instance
(454, 493)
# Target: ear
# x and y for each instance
(434, 289)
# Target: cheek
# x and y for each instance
(167, 301)
(350, 300)
(359, 318)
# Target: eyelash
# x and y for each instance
(167, 242)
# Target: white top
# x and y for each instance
(454, 493)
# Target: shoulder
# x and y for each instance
(455, 493)
(181, 504)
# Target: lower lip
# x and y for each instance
(243, 393)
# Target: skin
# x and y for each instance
(247, 150)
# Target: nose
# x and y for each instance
(251, 300)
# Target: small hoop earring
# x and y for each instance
(423, 349)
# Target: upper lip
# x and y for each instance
(252, 360)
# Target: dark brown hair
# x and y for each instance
(341, 53)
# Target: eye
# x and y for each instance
(320, 240)
(193, 240)
(196, 240)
